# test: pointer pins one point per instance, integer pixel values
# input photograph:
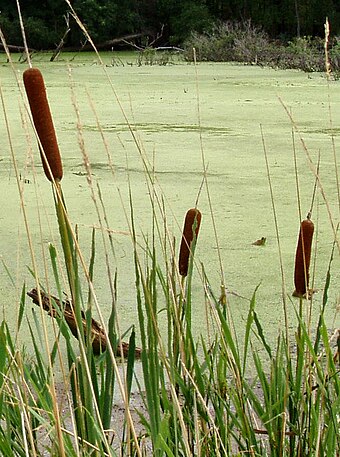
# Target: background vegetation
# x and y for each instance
(108, 19)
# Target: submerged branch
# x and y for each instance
(54, 307)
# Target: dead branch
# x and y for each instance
(157, 37)
(62, 41)
(14, 48)
(54, 307)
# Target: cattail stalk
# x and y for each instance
(190, 231)
(42, 118)
(51, 159)
(182, 349)
(302, 258)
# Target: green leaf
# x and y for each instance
(250, 321)
(130, 361)
(3, 352)
(261, 334)
(22, 306)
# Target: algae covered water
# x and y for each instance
(187, 122)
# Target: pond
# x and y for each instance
(185, 120)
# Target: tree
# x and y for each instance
(108, 19)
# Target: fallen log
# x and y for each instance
(52, 305)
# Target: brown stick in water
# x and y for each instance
(99, 341)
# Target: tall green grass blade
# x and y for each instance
(261, 334)
(53, 257)
(130, 362)
(324, 300)
(3, 357)
(164, 437)
(228, 341)
(66, 240)
(108, 386)
(22, 306)
(249, 323)
(9, 274)
(91, 266)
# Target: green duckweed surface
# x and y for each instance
(175, 117)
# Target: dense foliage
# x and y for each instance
(243, 42)
(108, 19)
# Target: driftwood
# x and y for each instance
(51, 304)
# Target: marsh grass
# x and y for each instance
(230, 394)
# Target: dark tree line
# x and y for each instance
(45, 20)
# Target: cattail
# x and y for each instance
(302, 258)
(191, 226)
(42, 118)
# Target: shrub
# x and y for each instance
(229, 41)
(244, 42)
(334, 55)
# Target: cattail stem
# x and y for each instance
(302, 258)
(182, 326)
(66, 238)
(42, 118)
(190, 233)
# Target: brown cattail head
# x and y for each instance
(42, 118)
(191, 227)
(302, 258)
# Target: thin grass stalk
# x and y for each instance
(310, 308)
(23, 34)
(283, 281)
(324, 301)
(205, 177)
(21, 389)
(313, 168)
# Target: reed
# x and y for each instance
(43, 122)
(191, 228)
(302, 258)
